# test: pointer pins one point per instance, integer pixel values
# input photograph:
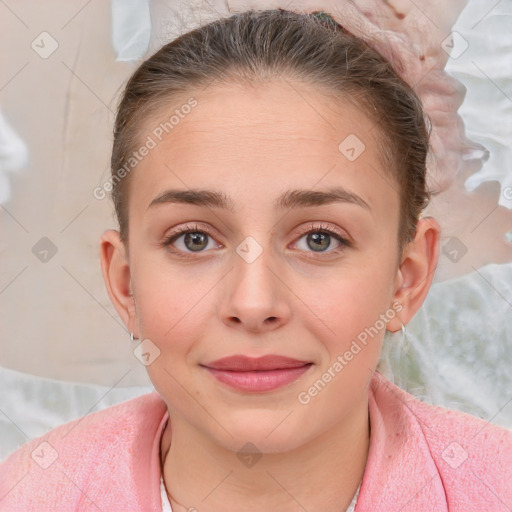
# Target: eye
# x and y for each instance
(318, 238)
(194, 239)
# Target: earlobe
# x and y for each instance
(116, 274)
(416, 271)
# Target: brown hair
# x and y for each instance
(258, 45)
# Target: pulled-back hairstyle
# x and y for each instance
(264, 45)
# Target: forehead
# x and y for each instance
(282, 110)
(267, 136)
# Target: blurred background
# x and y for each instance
(63, 349)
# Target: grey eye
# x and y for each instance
(318, 241)
(195, 241)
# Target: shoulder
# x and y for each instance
(472, 456)
(441, 426)
(97, 458)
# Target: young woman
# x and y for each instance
(268, 174)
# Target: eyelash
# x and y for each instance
(312, 228)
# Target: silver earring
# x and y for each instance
(405, 338)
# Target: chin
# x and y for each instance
(261, 433)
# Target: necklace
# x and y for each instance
(163, 457)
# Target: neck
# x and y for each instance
(201, 474)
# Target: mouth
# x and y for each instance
(257, 374)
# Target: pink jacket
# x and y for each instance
(421, 458)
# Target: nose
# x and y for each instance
(255, 298)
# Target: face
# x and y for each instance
(307, 276)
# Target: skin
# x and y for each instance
(253, 143)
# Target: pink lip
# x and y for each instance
(257, 374)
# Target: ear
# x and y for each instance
(416, 271)
(116, 274)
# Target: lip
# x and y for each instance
(257, 374)
(241, 363)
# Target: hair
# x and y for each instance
(264, 45)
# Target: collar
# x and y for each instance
(400, 472)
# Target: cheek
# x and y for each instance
(350, 316)
(169, 305)
(172, 314)
(355, 299)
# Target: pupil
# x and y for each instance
(318, 238)
(198, 241)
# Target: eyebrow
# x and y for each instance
(288, 200)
